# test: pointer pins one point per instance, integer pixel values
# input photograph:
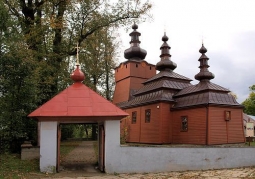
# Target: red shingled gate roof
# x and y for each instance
(78, 101)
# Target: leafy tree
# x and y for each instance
(37, 47)
(249, 103)
(52, 28)
(98, 61)
(18, 96)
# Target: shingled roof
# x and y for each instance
(162, 86)
(78, 101)
(205, 92)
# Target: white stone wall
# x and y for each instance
(125, 159)
(48, 147)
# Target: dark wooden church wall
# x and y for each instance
(157, 131)
(222, 131)
(131, 76)
(150, 132)
(121, 92)
(235, 128)
(134, 128)
(196, 133)
(166, 123)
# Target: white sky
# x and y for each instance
(227, 28)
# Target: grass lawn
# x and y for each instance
(12, 167)
(251, 143)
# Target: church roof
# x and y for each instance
(205, 92)
(163, 85)
(200, 87)
(161, 95)
(164, 82)
(78, 100)
(135, 52)
(167, 75)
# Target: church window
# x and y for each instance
(147, 115)
(227, 115)
(184, 123)
(134, 114)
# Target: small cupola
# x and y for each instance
(204, 74)
(135, 52)
(165, 63)
(77, 76)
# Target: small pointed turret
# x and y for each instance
(165, 64)
(135, 52)
(204, 74)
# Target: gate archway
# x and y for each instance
(76, 104)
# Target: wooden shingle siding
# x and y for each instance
(130, 76)
(196, 133)
(134, 129)
(166, 122)
(150, 132)
(222, 131)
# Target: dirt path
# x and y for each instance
(81, 159)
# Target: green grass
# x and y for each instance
(11, 166)
(251, 143)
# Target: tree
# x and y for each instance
(98, 59)
(249, 103)
(52, 28)
(37, 46)
(18, 97)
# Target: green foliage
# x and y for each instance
(249, 103)
(66, 132)
(18, 97)
(36, 54)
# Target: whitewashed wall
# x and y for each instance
(125, 159)
(48, 147)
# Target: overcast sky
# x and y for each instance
(227, 28)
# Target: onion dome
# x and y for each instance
(135, 52)
(204, 73)
(77, 75)
(166, 64)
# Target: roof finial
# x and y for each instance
(77, 54)
(165, 64)
(77, 75)
(135, 52)
(204, 74)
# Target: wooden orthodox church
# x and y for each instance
(166, 108)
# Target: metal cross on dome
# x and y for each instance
(77, 54)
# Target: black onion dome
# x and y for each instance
(165, 62)
(204, 73)
(135, 52)
(202, 49)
